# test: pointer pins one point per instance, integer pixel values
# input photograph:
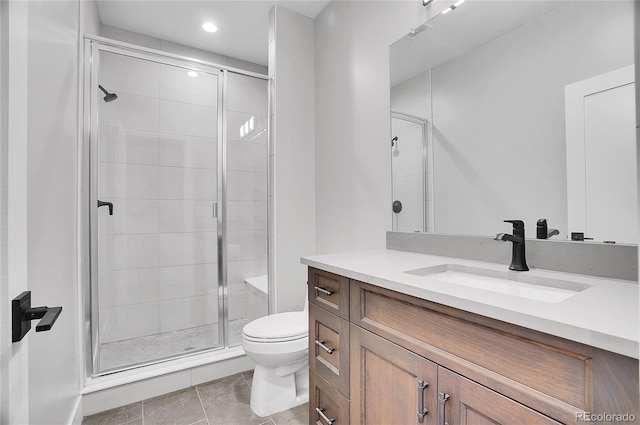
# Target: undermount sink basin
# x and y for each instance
(518, 284)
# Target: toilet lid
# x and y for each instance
(278, 326)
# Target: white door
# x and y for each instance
(601, 157)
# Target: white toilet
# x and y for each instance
(279, 346)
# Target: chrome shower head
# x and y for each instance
(109, 97)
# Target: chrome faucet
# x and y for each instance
(518, 260)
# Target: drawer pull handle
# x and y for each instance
(442, 400)
(324, 347)
(325, 417)
(324, 291)
(422, 385)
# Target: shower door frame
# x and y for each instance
(427, 164)
(93, 45)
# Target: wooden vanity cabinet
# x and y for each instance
(406, 354)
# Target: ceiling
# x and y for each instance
(243, 25)
(447, 36)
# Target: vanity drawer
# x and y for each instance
(480, 348)
(325, 400)
(329, 291)
(329, 347)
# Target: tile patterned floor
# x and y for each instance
(221, 402)
(154, 347)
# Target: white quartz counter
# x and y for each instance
(605, 315)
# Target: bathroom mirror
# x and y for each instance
(516, 110)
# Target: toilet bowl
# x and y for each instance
(279, 346)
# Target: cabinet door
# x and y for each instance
(326, 405)
(389, 385)
(465, 402)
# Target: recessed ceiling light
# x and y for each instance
(209, 27)
(192, 74)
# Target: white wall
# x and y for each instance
(353, 162)
(52, 203)
(90, 17)
(292, 203)
(499, 112)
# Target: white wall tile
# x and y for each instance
(407, 161)
(123, 252)
(130, 111)
(238, 271)
(187, 248)
(408, 188)
(127, 146)
(411, 216)
(177, 86)
(250, 98)
(130, 181)
(187, 281)
(186, 216)
(129, 216)
(238, 303)
(187, 183)
(247, 156)
(186, 313)
(125, 74)
(187, 151)
(129, 321)
(246, 215)
(246, 186)
(246, 245)
(184, 118)
(126, 287)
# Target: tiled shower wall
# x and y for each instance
(158, 165)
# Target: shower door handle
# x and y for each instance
(106, 204)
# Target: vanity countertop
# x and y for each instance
(605, 315)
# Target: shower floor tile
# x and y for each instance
(119, 354)
(221, 402)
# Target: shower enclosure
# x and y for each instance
(176, 205)
(412, 173)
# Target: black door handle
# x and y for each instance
(106, 204)
(23, 314)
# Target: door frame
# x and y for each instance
(575, 134)
(14, 357)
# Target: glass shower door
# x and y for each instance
(155, 195)
(409, 174)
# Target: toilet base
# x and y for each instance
(272, 391)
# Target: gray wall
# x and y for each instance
(291, 200)
(498, 111)
(353, 162)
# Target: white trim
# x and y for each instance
(75, 418)
(158, 369)
(575, 127)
